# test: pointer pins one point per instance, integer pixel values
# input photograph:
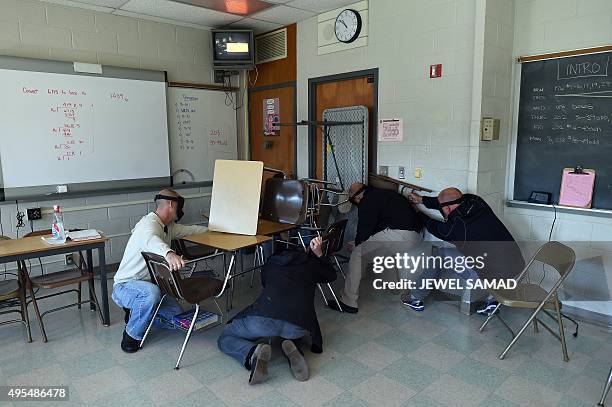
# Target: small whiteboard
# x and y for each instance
(234, 204)
(202, 129)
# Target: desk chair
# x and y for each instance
(192, 290)
(285, 201)
(11, 290)
(333, 242)
(533, 296)
(60, 279)
(606, 389)
(194, 253)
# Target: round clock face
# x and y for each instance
(348, 25)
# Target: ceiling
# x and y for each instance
(258, 15)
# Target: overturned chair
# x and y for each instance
(192, 290)
(533, 296)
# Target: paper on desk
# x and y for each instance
(50, 240)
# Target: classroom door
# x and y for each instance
(276, 151)
(355, 91)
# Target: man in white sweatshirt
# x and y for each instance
(133, 289)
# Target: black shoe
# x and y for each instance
(416, 305)
(127, 315)
(259, 363)
(129, 344)
(345, 308)
(296, 360)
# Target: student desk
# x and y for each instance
(228, 243)
(34, 247)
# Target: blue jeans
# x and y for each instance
(142, 297)
(238, 337)
(437, 273)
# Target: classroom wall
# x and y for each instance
(404, 39)
(544, 26)
(34, 29)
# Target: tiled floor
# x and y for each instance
(386, 355)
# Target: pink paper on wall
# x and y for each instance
(577, 189)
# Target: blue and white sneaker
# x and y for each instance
(416, 305)
(488, 307)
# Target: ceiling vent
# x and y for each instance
(271, 46)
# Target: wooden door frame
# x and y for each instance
(312, 109)
(290, 84)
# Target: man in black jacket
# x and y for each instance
(387, 223)
(284, 309)
(472, 226)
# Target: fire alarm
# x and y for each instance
(435, 71)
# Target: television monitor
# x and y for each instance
(233, 49)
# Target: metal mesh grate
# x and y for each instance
(350, 144)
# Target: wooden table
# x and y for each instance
(228, 243)
(270, 228)
(34, 247)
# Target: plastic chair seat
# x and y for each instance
(9, 289)
(199, 288)
(60, 279)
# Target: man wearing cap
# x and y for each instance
(386, 222)
(132, 288)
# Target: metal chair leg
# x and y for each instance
(24, 313)
(152, 320)
(535, 326)
(94, 298)
(334, 295)
(79, 296)
(323, 294)
(339, 267)
(489, 317)
(37, 311)
(606, 389)
(518, 335)
(193, 320)
(561, 331)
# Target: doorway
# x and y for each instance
(342, 90)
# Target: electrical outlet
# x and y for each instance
(69, 260)
(401, 174)
(383, 170)
(34, 214)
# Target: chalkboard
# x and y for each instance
(202, 129)
(565, 120)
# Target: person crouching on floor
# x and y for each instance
(284, 309)
(133, 289)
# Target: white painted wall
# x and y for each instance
(405, 37)
(34, 29)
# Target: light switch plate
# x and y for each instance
(401, 173)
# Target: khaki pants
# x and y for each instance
(379, 244)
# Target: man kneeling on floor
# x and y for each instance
(133, 289)
(284, 309)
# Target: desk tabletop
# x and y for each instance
(228, 242)
(35, 244)
(269, 228)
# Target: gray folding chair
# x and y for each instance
(534, 296)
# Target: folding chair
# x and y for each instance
(60, 279)
(533, 296)
(192, 290)
(11, 290)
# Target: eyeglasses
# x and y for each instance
(359, 191)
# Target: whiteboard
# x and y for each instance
(69, 129)
(202, 129)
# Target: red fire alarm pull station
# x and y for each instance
(435, 71)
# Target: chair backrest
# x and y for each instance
(333, 237)
(285, 201)
(168, 281)
(557, 255)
